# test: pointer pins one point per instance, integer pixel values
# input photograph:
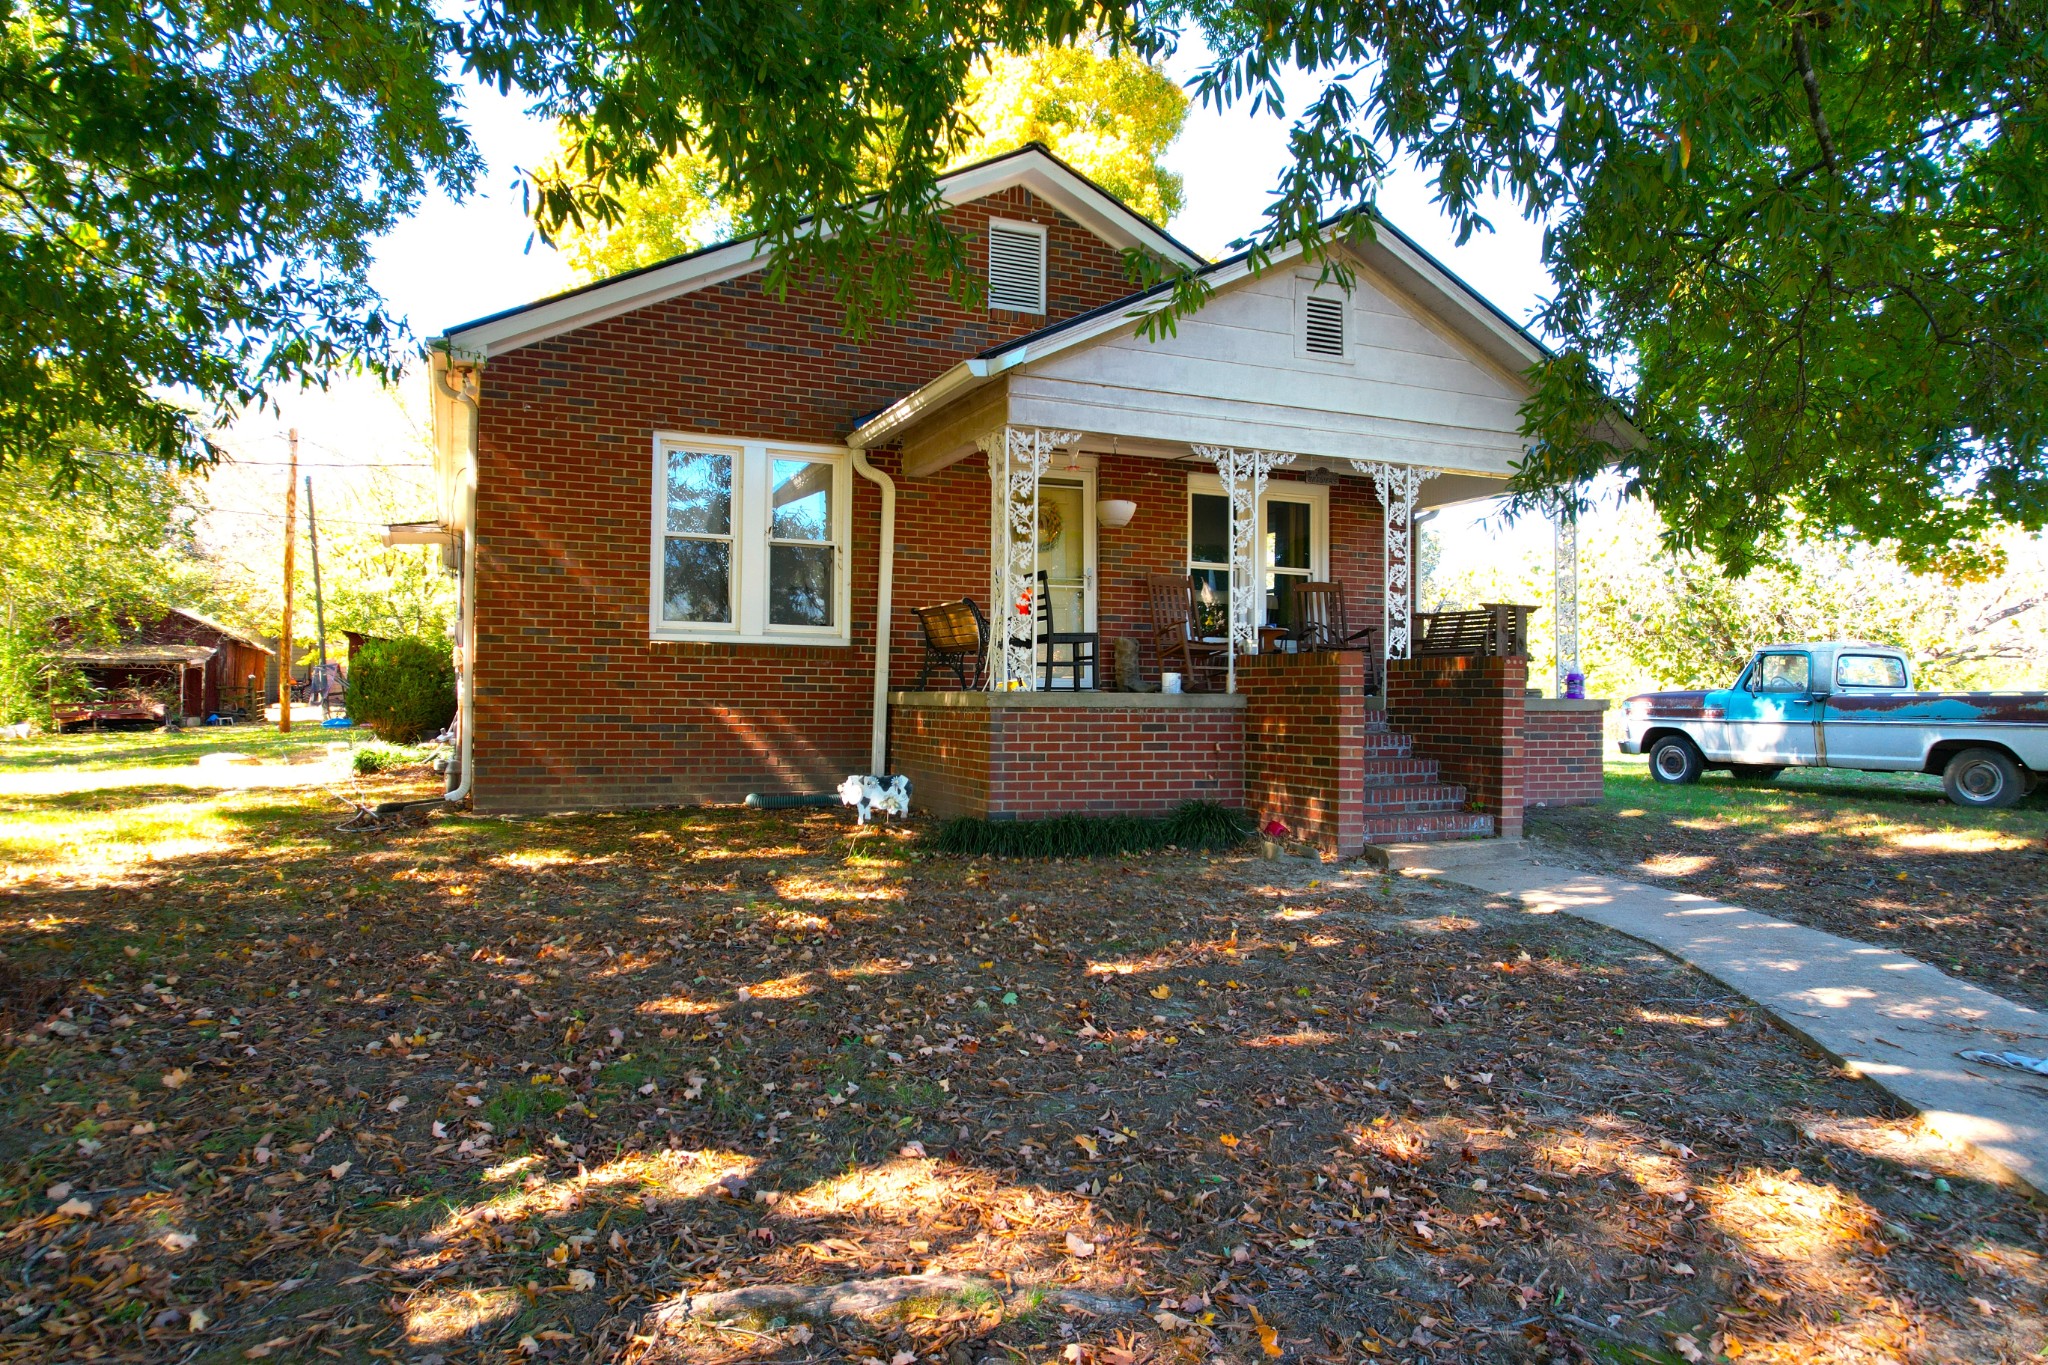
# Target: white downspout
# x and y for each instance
(885, 603)
(466, 476)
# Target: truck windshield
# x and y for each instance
(1784, 673)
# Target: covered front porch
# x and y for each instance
(1273, 450)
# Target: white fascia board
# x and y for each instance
(1090, 207)
(1454, 302)
(1070, 194)
(549, 318)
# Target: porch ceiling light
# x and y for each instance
(1115, 512)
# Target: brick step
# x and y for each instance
(1386, 744)
(1427, 827)
(1381, 772)
(1418, 796)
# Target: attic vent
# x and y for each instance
(1016, 268)
(1323, 325)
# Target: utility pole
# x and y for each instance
(284, 634)
(319, 606)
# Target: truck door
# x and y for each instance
(1776, 721)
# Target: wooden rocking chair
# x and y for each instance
(1172, 600)
(1322, 623)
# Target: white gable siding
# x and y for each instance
(1235, 374)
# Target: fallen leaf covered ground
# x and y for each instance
(499, 1090)
(1876, 857)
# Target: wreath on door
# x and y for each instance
(1050, 526)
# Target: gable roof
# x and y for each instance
(1032, 167)
(1446, 297)
(226, 630)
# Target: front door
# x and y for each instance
(1066, 556)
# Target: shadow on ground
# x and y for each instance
(495, 1089)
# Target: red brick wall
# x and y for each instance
(1466, 713)
(574, 706)
(1304, 745)
(944, 753)
(1031, 762)
(1561, 754)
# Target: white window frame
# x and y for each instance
(1044, 255)
(1316, 496)
(1307, 287)
(752, 464)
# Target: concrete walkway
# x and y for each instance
(1886, 1016)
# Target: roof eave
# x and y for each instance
(1032, 167)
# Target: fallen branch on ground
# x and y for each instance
(875, 1297)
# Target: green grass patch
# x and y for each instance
(1802, 793)
(379, 757)
(118, 750)
(515, 1105)
(1197, 826)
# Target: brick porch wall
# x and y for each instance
(1031, 760)
(1561, 752)
(1304, 750)
(944, 753)
(1467, 714)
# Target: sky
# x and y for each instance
(452, 262)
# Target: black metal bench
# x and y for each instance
(955, 637)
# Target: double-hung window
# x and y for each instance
(749, 541)
(1292, 548)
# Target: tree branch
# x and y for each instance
(1812, 83)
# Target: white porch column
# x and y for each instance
(1397, 486)
(1243, 474)
(1565, 594)
(1016, 458)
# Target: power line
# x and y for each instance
(318, 464)
(279, 516)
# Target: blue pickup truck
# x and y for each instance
(1844, 704)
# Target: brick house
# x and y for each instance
(691, 518)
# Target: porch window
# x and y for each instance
(1292, 548)
(749, 542)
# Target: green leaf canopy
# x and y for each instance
(187, 193)
(1801, 248)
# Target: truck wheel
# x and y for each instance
(1675, 759)
(1984, 778)
(1753, 772)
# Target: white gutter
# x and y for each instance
(466, 478)
(907, 409)
(885, 603)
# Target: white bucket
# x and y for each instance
(1169, 682)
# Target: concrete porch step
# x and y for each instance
(1414, 796)
(1427, 827)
